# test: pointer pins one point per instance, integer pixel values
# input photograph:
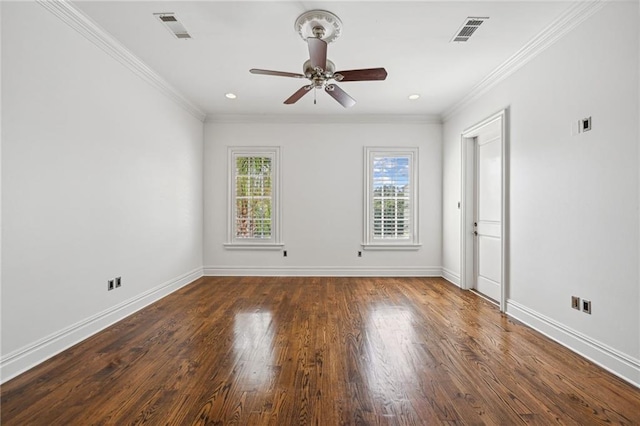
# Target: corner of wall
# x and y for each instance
(451, 276)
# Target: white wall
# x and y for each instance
(0, 179)
(638, 118)
(322, 198)
(101, 177)
(574, 199)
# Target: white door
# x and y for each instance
(488, 211)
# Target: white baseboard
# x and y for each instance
(21, 360)
(451, 276)
(321, 271)
(33, 354)
(618, 363)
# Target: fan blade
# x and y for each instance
(300, 93)
(361, 75)
(317, 52)
(340, 95)
(276, 73)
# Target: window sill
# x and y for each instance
(391, 247)
(253, 246)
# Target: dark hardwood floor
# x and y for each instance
(321, 351)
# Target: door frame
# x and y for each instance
(468, 181)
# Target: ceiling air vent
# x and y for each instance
(171, 22)
(470, 25)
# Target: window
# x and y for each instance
(253, 198)
(391, 202)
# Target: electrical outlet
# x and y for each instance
(586, 306)
(110, 285)
(359, 254)
(575, 302)
(580, 126)
(284, 253)
(118, 282)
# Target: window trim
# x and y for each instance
(369, 242)
(275, 242)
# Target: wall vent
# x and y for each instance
(466, 30)
(171, 22)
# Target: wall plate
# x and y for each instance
(575, 302)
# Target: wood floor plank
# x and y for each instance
(318, 351)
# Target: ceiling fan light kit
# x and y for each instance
(318, 28)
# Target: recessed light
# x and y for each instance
(230, 95)
(414, 97)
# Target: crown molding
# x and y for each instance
(324, 118)
(566, 22)
(80, 22)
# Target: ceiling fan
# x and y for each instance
(318, 28)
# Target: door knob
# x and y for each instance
(475, 233)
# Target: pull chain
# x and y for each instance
(315, 90)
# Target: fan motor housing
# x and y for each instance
(308, 70)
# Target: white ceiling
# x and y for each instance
(410, 39)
